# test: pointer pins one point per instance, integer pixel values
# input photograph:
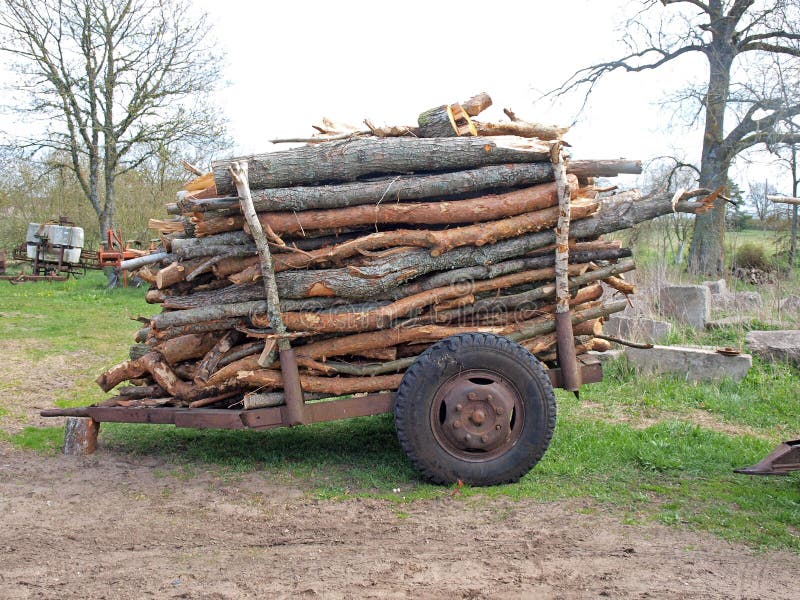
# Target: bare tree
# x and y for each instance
(117, 81)
(732, 36)
(757, 198)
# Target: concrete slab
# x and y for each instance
(637, 329)
(775, 345)
(608, 355)
(695, 364)
(739, 301)
(716, 287)
(688, 304)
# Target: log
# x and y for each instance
(403, 187)
(336, 386)
(239, 173)
(477, 104)
(784, 200)
(604, 168)
(198, 327)
(384, 316)
(438, 241)
(616, 213)
(211, 358)
(445, 121)
(80, 436)
(175, 273)
(350, 159)
(485, 208)
(141, 261)
(141, 391)
(521, 129)
(186, 347)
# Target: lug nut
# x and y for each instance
(499, 410)
(459, 407)
(478, 417)
(467, 437)
(484, 438)
(456, 424)
(498, 427)
(472, 396)
(490, 398)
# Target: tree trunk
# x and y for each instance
(350, 159)
(706, 254)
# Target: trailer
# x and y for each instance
(478, 408)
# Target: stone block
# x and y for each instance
(695, 364)
(608, 355)
(637, 329)
(688, 304)
(716, 287)
(738, 301)
(790, 304)
(775, 345)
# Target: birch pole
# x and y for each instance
(567, 360)
(291, 378)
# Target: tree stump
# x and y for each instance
(80, 436)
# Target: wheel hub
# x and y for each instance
(476, 408)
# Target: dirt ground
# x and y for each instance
(111, 527)
(115, 526)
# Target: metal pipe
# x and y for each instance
(147, 259)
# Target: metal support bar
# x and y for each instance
(292, 390)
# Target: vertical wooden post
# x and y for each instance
(80, 436)
(567, 361)
(292, 390)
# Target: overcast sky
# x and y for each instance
(290, 63)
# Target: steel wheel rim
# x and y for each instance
(477, 415)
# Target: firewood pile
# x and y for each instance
(361, 248)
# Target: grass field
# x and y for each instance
(647, 449)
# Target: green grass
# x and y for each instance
(629, 444)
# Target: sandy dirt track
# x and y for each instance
(109, 526)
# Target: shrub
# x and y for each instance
(751, 256)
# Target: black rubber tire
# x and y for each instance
(444, 361)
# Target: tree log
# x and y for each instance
(616, 213)
(384, 316)
(439, 241)
(405, 187)
(211, 358)
(521, 129)
(485, 208)
(336, 386)
(445, 121)
(350, 159)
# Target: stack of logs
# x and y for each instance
(382, 242)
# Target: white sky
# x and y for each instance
(292, 62)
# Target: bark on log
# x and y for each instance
(335, 386)
(450, 120)
(350, 159)
(186, 347)
(406, 187)
(383, 317)
(521, 129)
(485, 208)
(616, 213)
(439, 241)
(211, 358)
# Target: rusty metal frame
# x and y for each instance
(279, 416)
